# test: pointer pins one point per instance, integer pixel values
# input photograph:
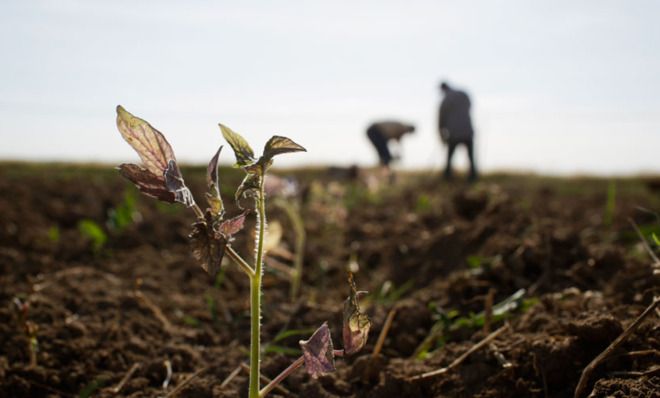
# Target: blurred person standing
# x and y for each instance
(455, 127)
(381, 134)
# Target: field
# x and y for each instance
(117, 306)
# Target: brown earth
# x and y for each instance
(431, 250)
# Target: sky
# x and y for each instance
(558, 87)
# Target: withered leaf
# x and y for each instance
(277, 145)
(147, 182)
(149, 143)
(175, 184)
(242, 150)
(318, 352)
(208, 248)
(233, 225)
(356, 326)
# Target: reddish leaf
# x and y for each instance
(233, 225)
(356, 324)
(208, 248)
(318, 352)
(149, 143)
(148, 183)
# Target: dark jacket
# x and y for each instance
(454, 116)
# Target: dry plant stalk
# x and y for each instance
(117, 389)
(463, 357)
(383, 333)
(586, 373)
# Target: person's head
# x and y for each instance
(444, 87)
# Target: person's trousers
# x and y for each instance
(380, 143)
(451, 147)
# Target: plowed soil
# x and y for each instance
(559, 256)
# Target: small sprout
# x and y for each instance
(161, 178)
(318, 352)
(356, 324)
(54, 234)
(124, 214)
(93, 231)
(29, 328)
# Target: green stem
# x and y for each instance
(293, 213)
(255, 295)
(239, 261)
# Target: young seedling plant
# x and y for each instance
(159, 176)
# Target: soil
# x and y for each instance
(431, 250)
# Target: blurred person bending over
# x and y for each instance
(381, 134)
(455, 126)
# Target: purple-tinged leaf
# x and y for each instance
(212, 171)
(230, 227)
(213, 197)
(356, 324)
(318, 352)
(147, 182)
(208, 248)
(242, 150)
(175, 184)
(149, 143)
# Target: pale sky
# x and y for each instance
(558, 87)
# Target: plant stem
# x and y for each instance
(239, 260)
(286, 372)
(255, 295)
(198, 211)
